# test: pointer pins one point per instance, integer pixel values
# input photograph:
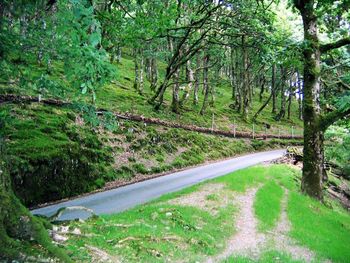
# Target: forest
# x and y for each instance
(98, 95)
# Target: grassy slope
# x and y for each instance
(55, 154)
(198, 234)
(120, 96)
(116, 98)
(44, 141)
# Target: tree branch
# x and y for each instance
(332, 117)
(334, 45)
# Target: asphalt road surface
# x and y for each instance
(123, 198)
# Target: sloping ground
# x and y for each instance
(12, 98)
(59, 152)
(120, 96)
(253, 215)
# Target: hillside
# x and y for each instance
(105, 105)
(77, 151)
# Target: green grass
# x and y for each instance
(322, 229)
(267, 205)
(119, 95)
(191, 233)
(137, 235)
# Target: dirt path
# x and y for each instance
(250, 243)
(247, 240)
(283, 242)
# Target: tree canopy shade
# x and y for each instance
(184, 55)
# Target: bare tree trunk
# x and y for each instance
(119, 54)
(245, 79)
(175, 104)
(197, 80)
(290, 97)
(154, 74)
(141, 85)
(274, 90)
(189, 80)
(239, 78)
(282, 112)
(136, 69)
(233, 73)
(300, 100)
(262, 81)
(205, 84)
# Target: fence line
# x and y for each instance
(133, 117)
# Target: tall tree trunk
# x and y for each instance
(282, 112)
(197, 80)
(274, 90)
(154, 74)
(239, 81)
(233, 73)
(290, 97)
(175, 104)
(313, 169)
(245, 80)
(119, 54)
(136, 70)
(141, 79)
(300, 98)
(189, 80)
(205, 84)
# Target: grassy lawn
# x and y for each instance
(183, 225)
(267, 205)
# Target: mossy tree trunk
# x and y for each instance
(18, 226)
(314, 123)
(313, 136)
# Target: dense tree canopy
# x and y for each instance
(183, 49)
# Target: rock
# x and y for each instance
(168, 214)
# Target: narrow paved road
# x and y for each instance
(120, 199)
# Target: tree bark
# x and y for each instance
(205, 84)
(17, 224)
(274, 90)
(245, 81)
(197, 80)
(175, 104)
(290, 98)
(313, 169)
(300, 99)
(282, 111)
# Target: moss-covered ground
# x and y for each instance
(59, 152)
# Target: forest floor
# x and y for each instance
(252, 215)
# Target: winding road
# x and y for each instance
(123, 198)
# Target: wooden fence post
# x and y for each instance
(253, 130)
(234, 128)
(212, 123)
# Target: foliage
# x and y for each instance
(338, 147)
